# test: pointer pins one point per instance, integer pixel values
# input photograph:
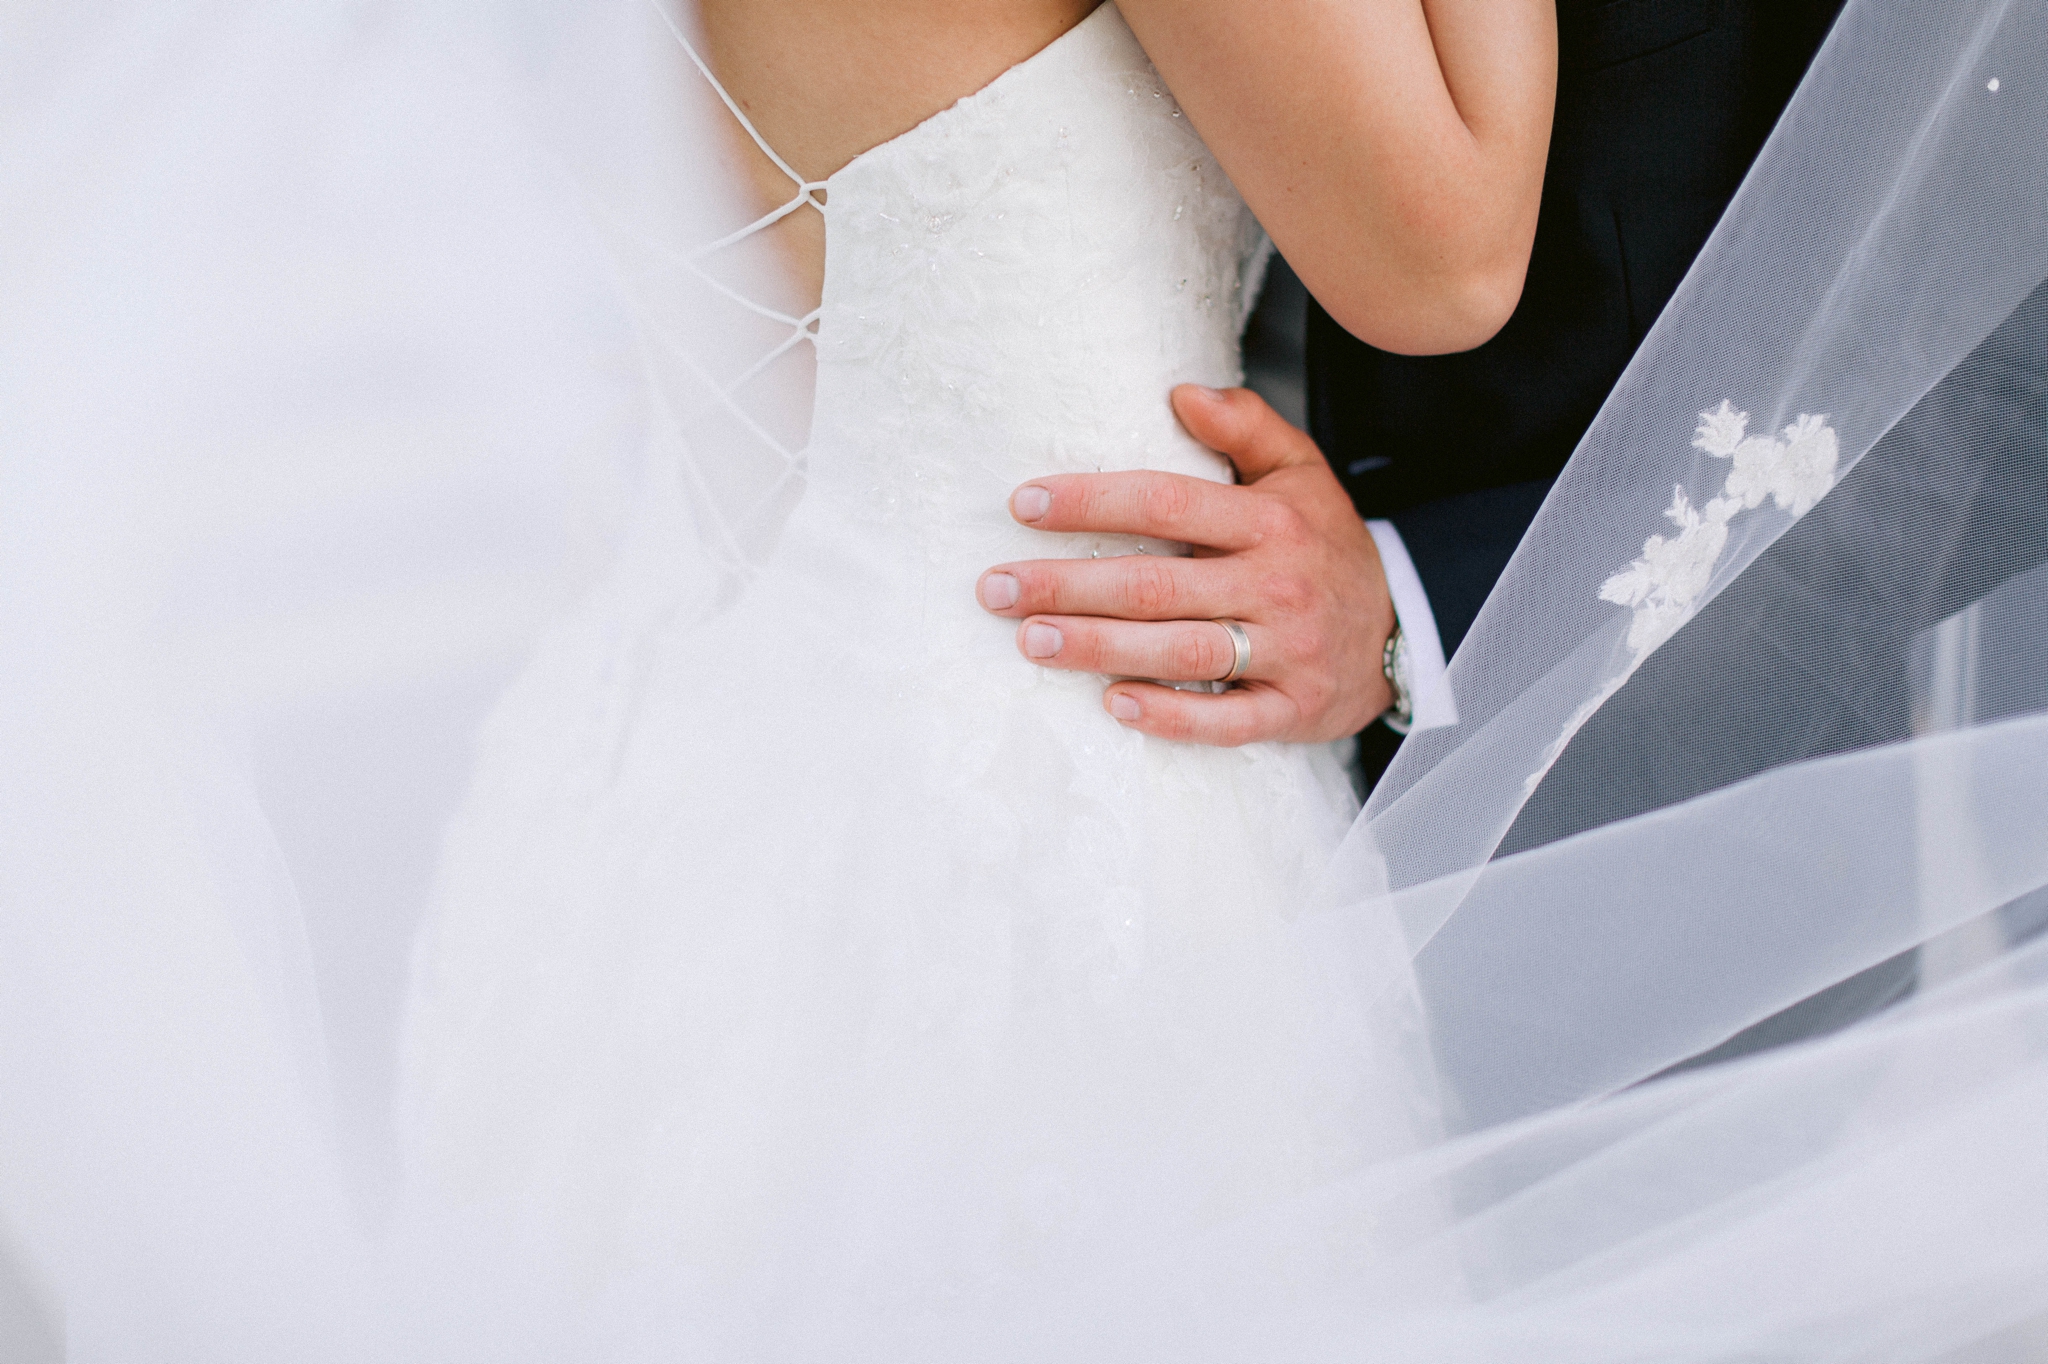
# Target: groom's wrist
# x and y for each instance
(1416, 657)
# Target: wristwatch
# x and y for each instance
(1400, 716)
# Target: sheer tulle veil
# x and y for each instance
(345, 351)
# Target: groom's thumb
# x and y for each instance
(1237, 423)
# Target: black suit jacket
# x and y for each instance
(1661, 107)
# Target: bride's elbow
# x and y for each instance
(1445, 313)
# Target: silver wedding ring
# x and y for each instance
(1241, 649)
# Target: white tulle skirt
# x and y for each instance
(824, 946)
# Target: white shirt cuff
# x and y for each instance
(1428, 675)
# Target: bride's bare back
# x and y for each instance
(825, 80)
(1394, 149)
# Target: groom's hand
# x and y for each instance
(1283, 552)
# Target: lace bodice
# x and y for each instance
(1011, 290)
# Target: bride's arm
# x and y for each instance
(1394, 149)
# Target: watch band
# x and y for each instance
(1400, 716)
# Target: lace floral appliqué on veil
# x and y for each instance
(1664, 585)
(1794, 470)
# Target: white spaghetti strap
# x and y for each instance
(802, 330)
(806, 189)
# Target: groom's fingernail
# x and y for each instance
(1030, 503)
(999, 591)
(1041, 641)
(1123, 706)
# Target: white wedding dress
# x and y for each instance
(817, 943)
(807, 976)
